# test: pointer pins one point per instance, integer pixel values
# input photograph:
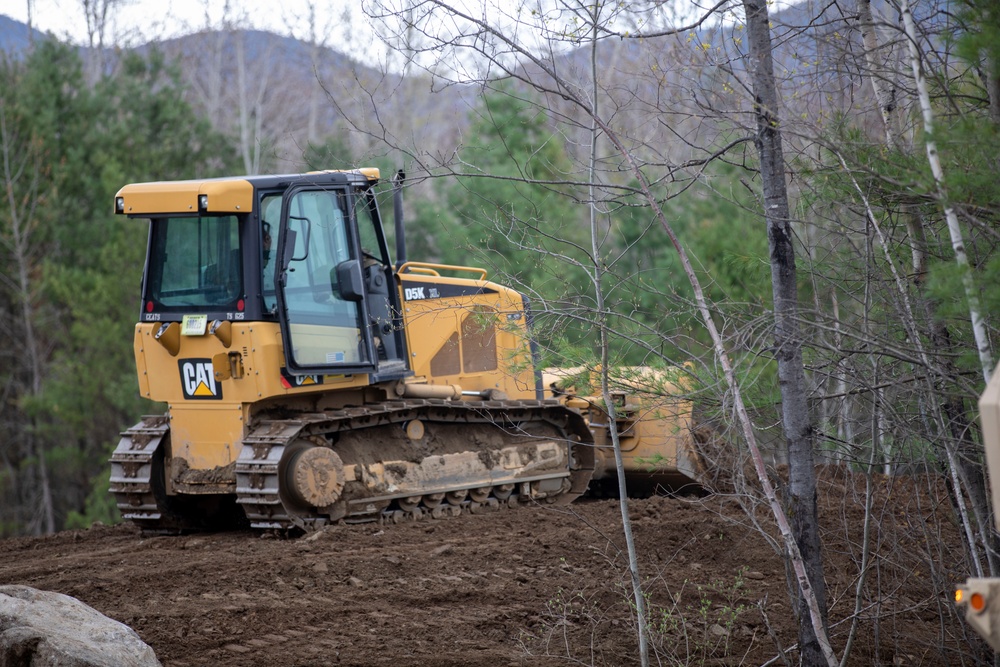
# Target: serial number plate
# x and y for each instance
(194, 325)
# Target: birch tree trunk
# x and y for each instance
(965, 469)
(957, 241)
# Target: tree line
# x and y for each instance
(70, 271)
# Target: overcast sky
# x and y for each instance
(137, 21)
(340, 24)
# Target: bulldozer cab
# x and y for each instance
(307, 252)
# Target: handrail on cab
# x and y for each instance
(428, 269)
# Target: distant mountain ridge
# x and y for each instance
(15, 36)
(277, 95)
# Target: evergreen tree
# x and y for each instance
(69, 399)
(509, 212)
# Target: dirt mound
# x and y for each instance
(535, 585)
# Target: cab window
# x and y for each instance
(195, 263)
(270, 219)
(370, 247)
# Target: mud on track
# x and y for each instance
(530, 586)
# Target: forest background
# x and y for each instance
(506, 169)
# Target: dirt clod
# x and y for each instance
(443, 549)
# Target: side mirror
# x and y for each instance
(350, 280)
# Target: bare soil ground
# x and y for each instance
(531, 586)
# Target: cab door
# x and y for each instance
(320, 289)
(382, 293)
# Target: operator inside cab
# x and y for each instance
(270, 207)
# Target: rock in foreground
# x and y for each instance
(44, 628)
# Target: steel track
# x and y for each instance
(258, 489)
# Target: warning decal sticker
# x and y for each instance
(290, 381)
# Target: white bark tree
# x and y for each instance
(954, 229)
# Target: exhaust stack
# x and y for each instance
(397, 214)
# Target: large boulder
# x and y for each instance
(55, 630)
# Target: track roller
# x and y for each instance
(456, 498)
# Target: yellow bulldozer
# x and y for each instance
(309, 379)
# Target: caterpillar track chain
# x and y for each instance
(406, 459)
(132, 471)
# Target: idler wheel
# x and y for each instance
(314, 476)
